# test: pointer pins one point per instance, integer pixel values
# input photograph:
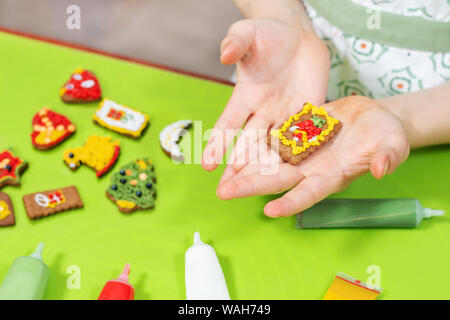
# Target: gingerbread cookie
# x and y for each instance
(171, 135)
(11, 167)
(99, 153)
(82, 86)
(49, 202)
(6, 211)
(303, 133)
(50, 129)
(133, 187)
(121, 119)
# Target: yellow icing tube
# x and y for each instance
(345, 287)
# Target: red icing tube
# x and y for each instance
(118, 289)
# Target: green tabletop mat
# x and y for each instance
(262, 258)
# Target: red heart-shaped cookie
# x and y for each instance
(82, 86)
(50, 129)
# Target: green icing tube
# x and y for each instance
(26, 278)
(365, 213)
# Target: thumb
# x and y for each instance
(389, 155)
(237, 42)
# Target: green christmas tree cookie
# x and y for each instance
(133, 187)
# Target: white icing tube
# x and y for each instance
(204, 276)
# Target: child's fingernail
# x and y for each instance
(208, 156)
(225, 191)
(269, 212)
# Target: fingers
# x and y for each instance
(249, 143)
(259, 184)
(230, 121)
(267, 163)
(234, 47)
(389, 155)
(237, 42)
(228, 174)
(308, 192)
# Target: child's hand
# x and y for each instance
(371, 138)
(279, 66)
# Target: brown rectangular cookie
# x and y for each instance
(49, 202)
(275, 138)
(7, 217)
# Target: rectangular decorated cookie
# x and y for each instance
(121, 119)
(6, 211)
(49, 202)
(303, 133)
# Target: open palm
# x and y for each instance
(371, 138)
(279, 66)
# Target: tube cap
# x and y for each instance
(37, 254)
(125, 273)
(197, 240)
(428, 213)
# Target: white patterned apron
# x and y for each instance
(380, 48)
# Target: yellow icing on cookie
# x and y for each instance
(125, 204)
(304, 135)
(47, 136)
(53, 200)
(307, 108)
(4, 210)
(97, 153)
(141, 163)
